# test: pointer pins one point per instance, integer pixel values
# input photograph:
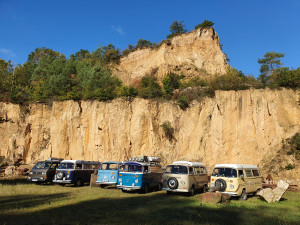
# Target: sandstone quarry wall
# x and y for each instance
(233, 127)
(196, 53)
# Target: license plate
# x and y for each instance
(34, 179)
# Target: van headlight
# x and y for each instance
(231, 186)
(44, 173)
(120, 179)
(182, 182)
(136, 181)
(113, 177)
(31, 173)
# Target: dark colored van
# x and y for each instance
(44, 171)
(77, 172)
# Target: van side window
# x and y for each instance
(248, 173)
(255, 173)
(78, 166)
(191, 170)
(241, 173)
(53, 166)
(96, 166)
(202, 170)
(87, 166)
(146, 169)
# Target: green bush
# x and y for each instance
(150, 88)
(183, 102)
(168, 130)
(170, 82)
(205, 24)
(129, 91)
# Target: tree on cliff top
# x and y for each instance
(176, 28)
(269, 64)
(205, 24)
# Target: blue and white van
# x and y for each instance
(75, 172)
(142, 174)
(108, 173)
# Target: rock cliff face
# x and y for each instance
(233, 127)
(196, 53)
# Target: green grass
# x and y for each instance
(25, 203)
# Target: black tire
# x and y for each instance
(172, 183)
(244, 195)
(102, 186)
(192, 191)
(124, 191)
(221, 185)
(78, 183)
(205, 188)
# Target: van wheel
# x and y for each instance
(205, 188)
(124, 191)
(78, 183)
(192, 191)
(244, 195)
(102, 186)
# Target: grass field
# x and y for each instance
(25, 203)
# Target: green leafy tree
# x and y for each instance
(110, 54)
(80, 55)
(150, 88)
(176, 28)
(143, 43)
(170, 83)
(285, 77)
(269, 64)
(205, 24)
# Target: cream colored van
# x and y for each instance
(236, 179)
(185, 176)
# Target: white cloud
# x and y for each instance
(118, 29)
(7, 52)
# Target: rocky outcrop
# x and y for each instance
(233, 127)
(196, 53)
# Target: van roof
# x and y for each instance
(187, 163)
(112, 162)
(236, 166)
(80, 161)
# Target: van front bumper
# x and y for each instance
(175, 190)
(62, 181)
(37, 179)
(106, 182)
(230, 193)
(128, 188)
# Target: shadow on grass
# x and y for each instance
(156, 208)
(27, 201)
(14, 181)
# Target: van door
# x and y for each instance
(203, 176)
(242, 180)
(250, 180)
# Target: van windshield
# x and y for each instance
(42, 165)
(224, 172)
(109, 166)
(66, 166)
(177, 169)
(132, 168)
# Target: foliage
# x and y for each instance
(176, 28)
(290, 166)
(205, 24)
(285, 77)
(183, 102)
(168, 130)
(150, 88)
(269, 63)
(110, 55)
(129, 91)
(143, 43)
(170, 82)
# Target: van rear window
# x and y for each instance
(255, 173)
(248, 173)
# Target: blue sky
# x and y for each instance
(247, 29)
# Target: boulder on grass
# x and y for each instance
(215, 197)
(274, 195)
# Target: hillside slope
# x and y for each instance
(196, 53)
